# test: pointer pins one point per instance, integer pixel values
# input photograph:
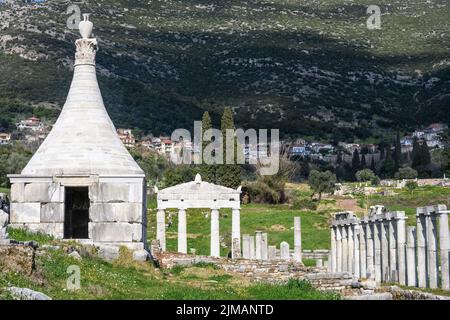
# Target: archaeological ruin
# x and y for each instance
(82, 183)
(380, 246)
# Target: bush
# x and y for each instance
(406, 173)
(304, 203)
(322, 182)
(365, 175)
(411, 185)
(260, 192)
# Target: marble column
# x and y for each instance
(338, 266)
(370, 261)
(377, 250)
(182, 231)
(356, 256)
(264, 247)
(272, 253)
(444, 245)
(421, 231)
(319, 263)
(284, 251)
(362, 251)
(246, 246)
(384, 224)
(401, 247)
(392, 234)
(332, 259)
(411, 257)
(344, 248)
(215, 233)
(351, 249)
(236, 234)
(161, 229)
(258, 246)
(432, 247)
(297, 239)
(252, 247)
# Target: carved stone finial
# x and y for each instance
(86, 51)
(198, 178)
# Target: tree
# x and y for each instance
(229, 175)
(372, 164)
(356, 163)
(207, 171)
(365, 175)
(406, 173)
(411, 185)
(339, 158)
(421, 157)
(388, 168)
(322, 182)
(363, 161)
(398, 151)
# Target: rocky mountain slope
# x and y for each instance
(310, 68)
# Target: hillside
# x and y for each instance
(310, 67)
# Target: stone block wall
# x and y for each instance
(117, 213)
(38, 207)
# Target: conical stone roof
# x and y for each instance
(83, 140)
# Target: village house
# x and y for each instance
(127, 137)
(5, 138)
(33, 124)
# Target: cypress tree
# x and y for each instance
(229, 175)
(388, 168)
(363, 161)
(372, 164)
(416, 161)
(356, 163)
(339, 158)
(207, 171)
(398, 152)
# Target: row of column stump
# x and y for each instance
(381, 247)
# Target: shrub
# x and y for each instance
(260, 192)
(304, 203)
(411, 185)
(406, 173)
(365, 175)
(322, 182)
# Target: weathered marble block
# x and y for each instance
(120, 212)
(115, 232)
(116, 192)
(17, 192)
(25, 212)
(37, 192)
(52, 212)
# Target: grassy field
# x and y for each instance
(278, 220)
(126, 279)
(408, 202)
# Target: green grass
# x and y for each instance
(276, 220)
(408, 202)
(126, 279)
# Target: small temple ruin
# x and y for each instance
(82, 183)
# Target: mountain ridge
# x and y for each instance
(309, 68)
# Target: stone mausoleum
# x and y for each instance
(82, 183)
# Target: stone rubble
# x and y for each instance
(27, 294)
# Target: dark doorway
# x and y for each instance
(76, 213)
